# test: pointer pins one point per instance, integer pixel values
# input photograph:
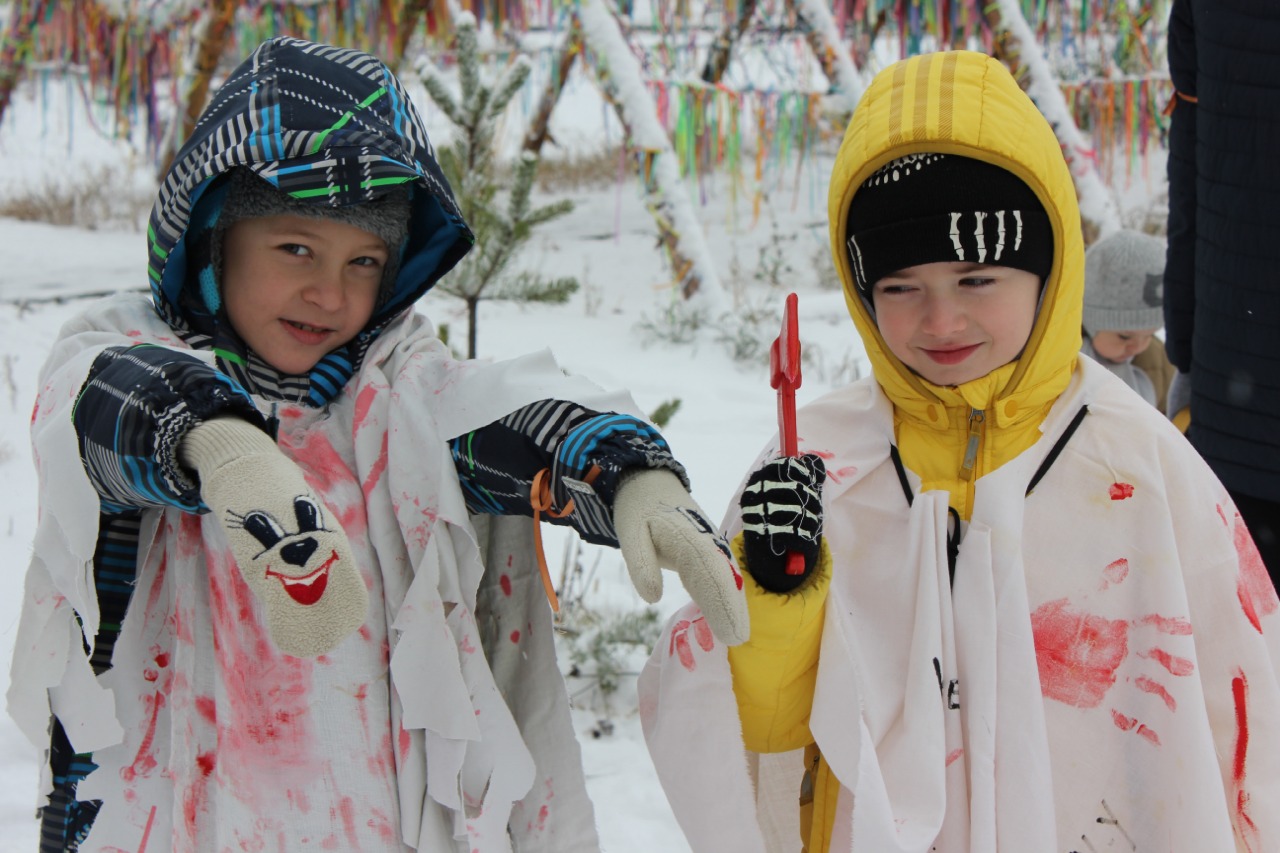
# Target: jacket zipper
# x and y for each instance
(976, 419)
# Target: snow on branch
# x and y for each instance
(665, 194)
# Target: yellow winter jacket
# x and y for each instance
(955, 102)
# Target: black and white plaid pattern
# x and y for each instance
(497, 463)
(329, 126)
(137, 405)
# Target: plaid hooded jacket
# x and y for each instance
(332, 127)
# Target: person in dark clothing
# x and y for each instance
(1222, 276)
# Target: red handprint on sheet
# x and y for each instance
(679, 646)
(1079, 655)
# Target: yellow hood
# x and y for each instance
(967, 103)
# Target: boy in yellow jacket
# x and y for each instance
(1030, 617)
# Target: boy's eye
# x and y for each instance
(294, 249)
(366, 261)
(894, 289)
(976, 281)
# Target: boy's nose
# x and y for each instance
(942, 317)
(325, 291)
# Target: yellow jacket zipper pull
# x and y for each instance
(976, 418)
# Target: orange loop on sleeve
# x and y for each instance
(540, 499)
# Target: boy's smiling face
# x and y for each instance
(297, 288)
(952, 322)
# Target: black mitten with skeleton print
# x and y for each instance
(782, 514)
(292, 552)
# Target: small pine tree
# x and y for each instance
(469, 164)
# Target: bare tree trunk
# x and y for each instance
(679, 231)
(1017, 48)
(820, 33)
(15, 45)
(537, 133)
(722, 47)
(213, 37)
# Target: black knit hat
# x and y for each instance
(249, 196)
(925, 208)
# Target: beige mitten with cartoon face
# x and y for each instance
(287, 544)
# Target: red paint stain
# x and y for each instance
(144, 761)
(1077, 653)
(375, 472)
(162, 660)
(364, 402)
(195, 798)
(206, 708)
(702, 632)
(505, 583)
(1115, 572)
(1176, 665)
(679, 646)
(953, 756)
(737, 576)
(403, 742)
(347, 811)
(381, 824)
(1248, 830)
(1130, 724)
(1178, 625)
(515, 636)
(264, 720)
(361, 694)
(328, 473)
(1253, 585)
(1155, 688)
(839, 475)
(1120, 491)
(146, 831)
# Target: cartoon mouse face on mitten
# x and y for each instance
(299, 560)
(292, 552)
(296, 560)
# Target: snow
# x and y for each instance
(606, 332)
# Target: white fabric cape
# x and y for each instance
(1109, 684)
(441, 725)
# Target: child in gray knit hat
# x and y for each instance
(1123, 307)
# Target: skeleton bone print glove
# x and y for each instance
(782, 512)
(290, 549)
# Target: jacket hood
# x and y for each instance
(966, 103)
(329, 126)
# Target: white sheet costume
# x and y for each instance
(200, 721)
(1101, 671)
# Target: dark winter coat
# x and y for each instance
(1222, 281)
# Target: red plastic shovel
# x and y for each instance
(784, 369)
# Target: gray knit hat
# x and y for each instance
(249, 197)
(1124, 283)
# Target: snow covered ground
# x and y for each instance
(610, 331)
